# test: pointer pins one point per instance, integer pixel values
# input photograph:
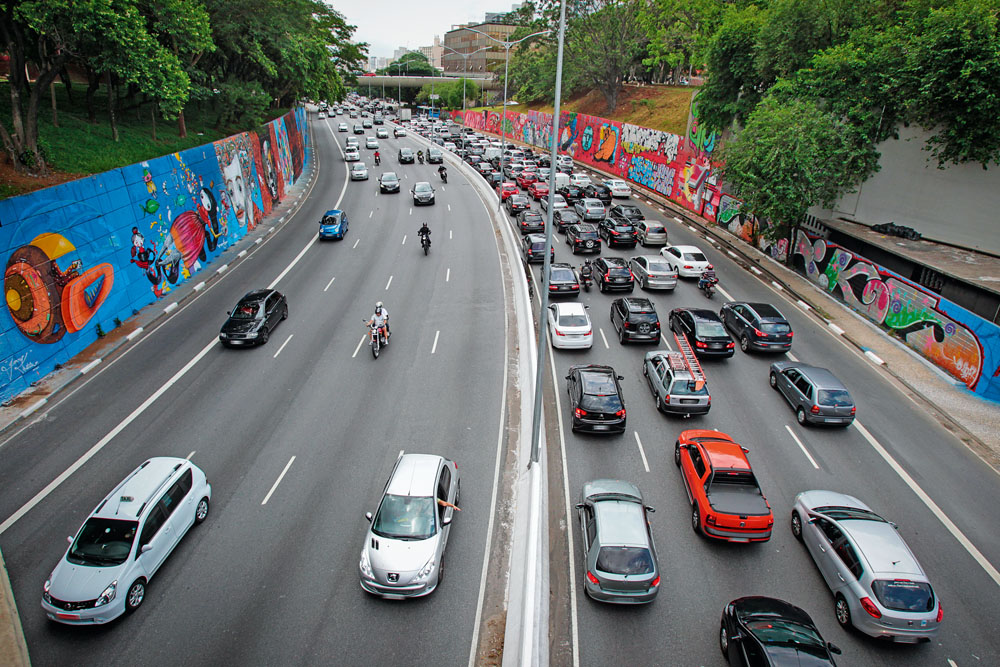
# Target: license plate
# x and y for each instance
(689, 401)
(833, 420)
(600, 427)
(237, 342)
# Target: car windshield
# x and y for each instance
(103, 542)
(246, 310)
(422, 187)
(835, 397)
(561, 275)
(695, 257)
(405, 151)
(405, 518)
(389, 178)
(780, 632)
(775, 327)
(688, 388)
(710, 328)
(573, 320)
(902, 595)
(359, 166)
(625, 560)
(330, 220)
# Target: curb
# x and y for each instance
(13, 648)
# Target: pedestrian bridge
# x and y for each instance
(404, 81)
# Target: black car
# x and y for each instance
(628, 213)
(518, 202)
(571, 193)
(612, 273)
(583, 237)
(254, 318)
(595, 397)
(494, 179)
(422, 193)
(616, 233)
(484, 169)
(563, 218)
(759, 631)
(530, 221)
(598, 191)
(406, 156)
(635, 319)
(533, 249)
(758, 326)
(388, 182)
(434, 156)
(704, 330)
(563, 279)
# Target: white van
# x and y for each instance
(562, 180)
(491, 153)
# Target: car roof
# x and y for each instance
(559, 265)
(620, 523)
(883, 547)
(569, 308)
(687, 248)
(721, 449)
(765, 310)
(133, 494)
(613, 261)
(584, 227)
(588, 201)
(821, 377)
(638, 303)
(702, 314)
(758, 605)
(414, 475)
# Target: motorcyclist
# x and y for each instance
(378, 158)
(381, 320)
(424, 231)
(708, 277)
(443, 173)
(587, 270)
(420, 156)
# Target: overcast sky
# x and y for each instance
(389, 24)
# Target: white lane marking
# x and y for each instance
(756, 270)
(442, 188)
(54, 484)
(295, 261)
(835, 329)
(449, 234)
(355, 244)
(278, 481)
(371, 214)
(358, 347)
(606, 346)
(434, 347)
(283, 346)
(329, 283)
(926, 499)
(667, 343)
(134, 334)
(404, 240)
(725, 294)
(388, 283)
(642, 452)
(89, 367)
(449, 207)
(411, 210)
(447, 275)
(791, 356)
(801, 446)
(874, 357)
(188, 457)
(952, 663)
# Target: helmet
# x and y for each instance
(709, 267)
(378, 307)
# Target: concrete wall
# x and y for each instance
(81, 255)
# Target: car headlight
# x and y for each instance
(252, 334)
(45, 591)
(107, 595)
(223, 335)
(426, 570)
(365, 564)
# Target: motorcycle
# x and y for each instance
(425, 243)
(444, 175)
(378, 160)
(708, 287)
(587, 280)
(420, 157)
(376, 338)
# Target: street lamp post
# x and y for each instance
(399, 84)
(506, 67)
(465, 66)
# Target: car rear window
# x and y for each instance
(618, 272)
(695, 257)
(655, 229)
(649, 317)
(836, 397)
(623, 228)
(902, 595)
(572, 320)
(587, 235)
(601, 403)
(625, 560)
(687, 388)
(708, 328)
(659, 267)
(561, 274)
(775, 327)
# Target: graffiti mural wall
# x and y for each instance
(964, 344)
(94, 251)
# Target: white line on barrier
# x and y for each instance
(134, 334)
(874, 357)
(242, 253)
(172, 307)
(200, 286)
(278, 481)
(692, 229)
(732, 254)
(777, 286)
(756, 270)
(835, 329)
(257, 240)
(711, 240)
(804, 304)
(677, 220)
(222, 268)
(27, 412)
(801, 446)
(89, 367)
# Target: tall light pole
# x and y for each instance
(506, 67)
(399, 84)
(465, 66)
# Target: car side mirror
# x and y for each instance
(70, 539)
(586, 306)
(833, 648)
(368, 515)
(145, 548)
(621, 377)
(569, 377)
(446, 521)
(650, 509)
(579, 506)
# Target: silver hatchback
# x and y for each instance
(651, 232)
(878, 586)
(404, 549)
(590, 209)
(815, 394)
(653, 272)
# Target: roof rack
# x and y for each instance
(689, 359)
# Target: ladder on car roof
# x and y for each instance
(688, 358)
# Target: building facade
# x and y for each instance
(464, 41)
(434, 52)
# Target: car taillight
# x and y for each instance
(559, 333)
(614, 232)
(620, 413)
(699, 344)
(576, 285)
(758, 332)
(592, 579)
(814, 409)
(791, 333)
(656, 582)
(553, 287)
(870, 607)
(666, 400)
(607, 276)
(853, 411)
(688, 266)
(710, 519)
(730, 345)
(531, 252)
(940, 611)
(580, 412)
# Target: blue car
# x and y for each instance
(333, 225)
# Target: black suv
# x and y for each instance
(598, 191)
(530, 221)
(533, 248)
(583, 237)
(563, 218)
(518, 203)
(570, 192)
(758, 326)
(406, 156)
(635, 319)
(563, 279)
(612, 273)
(595, 397)
(626, 213)
(704, 330)
(617, 233)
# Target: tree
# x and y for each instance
(679, 33)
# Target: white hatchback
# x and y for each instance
(342, 127)
(570, 326)
(371, 143)
(619, 188)
(351, 154)
(687, 260)
(580, 180)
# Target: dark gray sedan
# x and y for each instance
(618, 552)
(423, 193)
(815, 394)
(254, 318)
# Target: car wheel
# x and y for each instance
(201, 511)
(264, 337)
(773, 381)
(695, 519)
(724, 640)
(644, 284)
(796, 525)
(744, 343)
(136, 594)
(284, 313)
(800, 416)
(843, 611)
(621, 335)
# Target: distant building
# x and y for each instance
(465, 41)
(376, 63)
(434, 52)
(400, 52)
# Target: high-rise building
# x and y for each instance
(465, 41)
(400, 52)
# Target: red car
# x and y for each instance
(505, 190)
(526, 178)
(538, 190)
(726, 501)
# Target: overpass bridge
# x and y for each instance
(403, 81)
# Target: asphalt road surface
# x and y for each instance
(277, 583)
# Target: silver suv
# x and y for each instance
(404, 548)
(677, 388)
(877, 583)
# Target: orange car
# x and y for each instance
(726, 501)
(505, 190)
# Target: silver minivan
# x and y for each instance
(124, 541)
(403, 553)
(815, 394)
(651, 232)
(878, 586)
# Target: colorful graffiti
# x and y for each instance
(84, 254)
(964, 344)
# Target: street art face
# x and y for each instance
(270, 173)
(233, 176)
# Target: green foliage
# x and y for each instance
(679, 31)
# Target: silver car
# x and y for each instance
(815, 394)
(653, 272)
(359, 172)
(404, 549)
(877, 583)
(678, 388)
(650, 232)
(590, 209)
(618, 551)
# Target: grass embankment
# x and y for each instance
(658, 107)
(76, 148)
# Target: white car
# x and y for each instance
(321, 115)
(382, 133)
(687, 260)
(580, 180)
(569, 326)
(359, 172)
(371, 143)
(342, 127)
(564, 161)
(352, 154)
(450, 146)
(619, 188)
(558, 202)
(398, 132)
